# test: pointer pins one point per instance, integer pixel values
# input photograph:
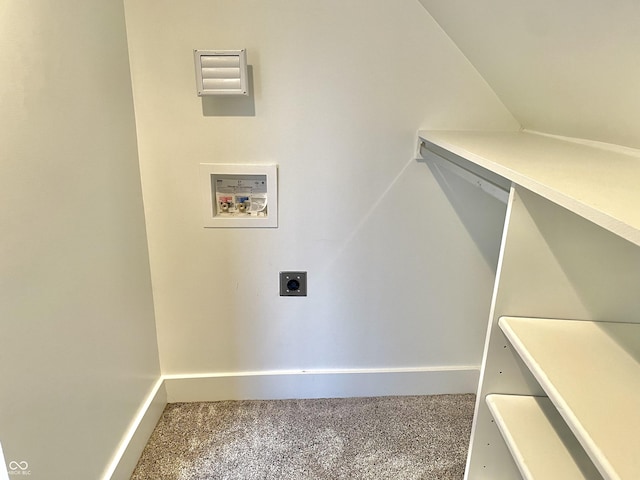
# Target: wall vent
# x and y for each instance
(221, 72)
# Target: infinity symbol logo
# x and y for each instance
(18, 465)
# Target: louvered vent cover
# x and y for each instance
(221, 72)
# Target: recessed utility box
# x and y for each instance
(239, 195)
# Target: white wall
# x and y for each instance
(397, 277)
(78, 344)
(569, 68)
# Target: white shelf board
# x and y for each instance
(539, 440)
(594, 182)
(591, 372)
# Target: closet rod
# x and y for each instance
(497, 187)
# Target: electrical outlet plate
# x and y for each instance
(293, 284)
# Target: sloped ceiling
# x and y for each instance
(568, 67)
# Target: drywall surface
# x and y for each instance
(396, 276)
(568, 68)
(78, 351)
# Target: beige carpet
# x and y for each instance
(399, 438)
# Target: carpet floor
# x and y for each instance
(379, 438)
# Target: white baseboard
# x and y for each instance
(284, 384)
(126, 457)
(4, 475)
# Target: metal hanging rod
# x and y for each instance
(489, 182)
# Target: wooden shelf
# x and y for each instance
(591, 373)
(594, 182)
(540, 441)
